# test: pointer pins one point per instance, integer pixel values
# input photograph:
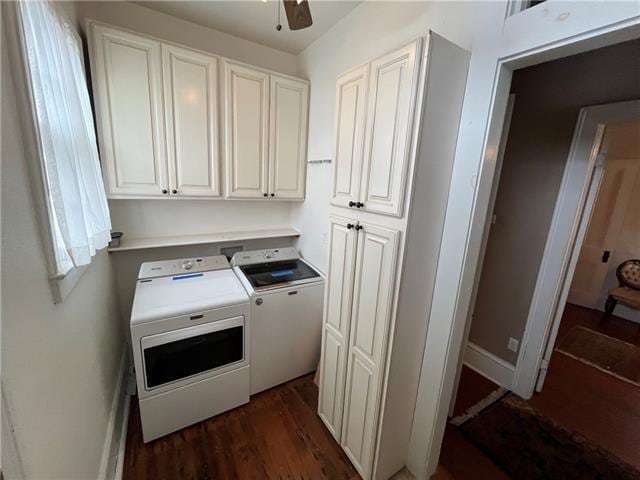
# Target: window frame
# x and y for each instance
(61, 283)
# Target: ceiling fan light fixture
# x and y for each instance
(298, 14)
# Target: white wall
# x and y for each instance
(162, 218)
(59, 362)
(370, 30)
(548, 99)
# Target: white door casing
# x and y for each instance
(246, 93)
(393, 80)
(289, 114)
(191, 112)
(130, 115)
(350, 117)
(373, 296)
(336, 322)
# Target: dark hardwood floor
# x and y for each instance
(278, 435)
(613, 326)
(582, 398)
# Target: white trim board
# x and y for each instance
(115, 434)
(488, 365)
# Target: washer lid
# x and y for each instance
(166, 297)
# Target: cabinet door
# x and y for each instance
(289, 112)
(336, 324)
(246, 131)
(392, 86)
(127, 71)
(191, 109)
(351, 104)
(370, 319)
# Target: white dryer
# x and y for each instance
(287, 295)
(190, 339)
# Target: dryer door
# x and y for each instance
(179, 354)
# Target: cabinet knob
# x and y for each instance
(273, 194)
(174, 191)
(352, 204)
(164, 190)
(358, 227)
(265, 194)
(349, 226)
(359, 205)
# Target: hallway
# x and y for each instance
(577, 396)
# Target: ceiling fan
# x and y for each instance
(298, 14)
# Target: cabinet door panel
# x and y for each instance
(288, 137)
(130, 117)
(351, 103)
(246, 136)
(388, 135)
(191, 91)
(370, 320)
(336, 324)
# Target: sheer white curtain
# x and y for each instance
(77, 201)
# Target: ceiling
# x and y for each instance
(256, 20)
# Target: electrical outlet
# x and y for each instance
(513, 344)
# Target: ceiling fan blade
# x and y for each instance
(298, 14)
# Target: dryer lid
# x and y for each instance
(184, 294)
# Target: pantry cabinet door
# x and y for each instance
(370, 321)
(191, 109)
(128, 76)
(392, 87)
(246, 131)
(289, 111)
(336, 323)
(351, 104)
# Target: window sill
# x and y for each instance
(61, 287)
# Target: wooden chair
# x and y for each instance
(628, 293)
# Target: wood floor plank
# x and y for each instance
(278, 435)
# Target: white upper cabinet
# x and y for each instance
(191, 101)
(246, 131)
(392, 85)
(374, 113)
(191, 110)
(288, 137)
(164, 127)
(351, 104)
(127, 76)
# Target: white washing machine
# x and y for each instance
(287, 296)
(190, 339)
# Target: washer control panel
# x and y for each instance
(165, 268)
(263, 256)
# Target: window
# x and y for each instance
(74, 192)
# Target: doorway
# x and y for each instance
(531, 219)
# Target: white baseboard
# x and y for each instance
(116, 428)
(488, 365)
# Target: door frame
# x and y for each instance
(506, 125)
(571, 216)
(525, 39)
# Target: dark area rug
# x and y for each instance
(529, 446)
(608, 354)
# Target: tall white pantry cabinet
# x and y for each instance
(397, 120)
(175, 122)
